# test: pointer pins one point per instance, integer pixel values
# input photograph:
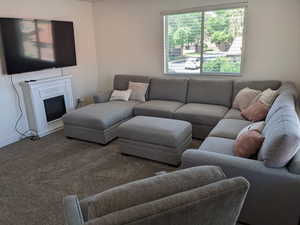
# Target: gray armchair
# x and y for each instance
(194, 196)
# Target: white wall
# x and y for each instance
(129, 37)
(85, 77)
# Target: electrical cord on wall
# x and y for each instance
(33, 133)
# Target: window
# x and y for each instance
(204, 41)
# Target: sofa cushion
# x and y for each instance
(168, 89)
(100, 116)
(234, 114)
(257, 85)
(121, 82)
(204, 114)
(154, 130)
(150, 189)
(157, 108)
(215, 92)
(229, 128)
(218, 145)
(282, 138)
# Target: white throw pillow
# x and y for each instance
(139, 91)
(245, 97)
(258, 126)
(268, 97)
(120, 95)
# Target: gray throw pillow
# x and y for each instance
(120, 95)
(139, 91)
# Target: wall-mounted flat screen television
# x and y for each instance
(33, 45)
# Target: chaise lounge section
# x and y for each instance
(99, 122)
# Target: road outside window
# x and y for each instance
(206, 42)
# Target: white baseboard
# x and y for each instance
(9, 140)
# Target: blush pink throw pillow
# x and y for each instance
(248, 144)
(245, 97)
(255, 112)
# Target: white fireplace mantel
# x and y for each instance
(35, 92)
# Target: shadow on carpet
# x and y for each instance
(35, 176)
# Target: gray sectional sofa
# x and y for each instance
(274, 195)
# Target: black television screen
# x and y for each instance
(32, 45)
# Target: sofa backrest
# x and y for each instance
(282, 101)
(282, 136)
(121, 81)
(216, 92)
(168, 89)
(255, 84)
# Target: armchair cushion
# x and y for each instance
(216, 203)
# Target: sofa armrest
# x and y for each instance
(233, 166)
(72, 211)
(102, 96)
(267, 185)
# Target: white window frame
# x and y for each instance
(243, 5)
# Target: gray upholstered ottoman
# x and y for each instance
(154, 138)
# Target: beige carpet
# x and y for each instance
(35, 176)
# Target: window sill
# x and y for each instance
(205, 74)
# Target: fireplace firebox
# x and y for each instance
(55, 108)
